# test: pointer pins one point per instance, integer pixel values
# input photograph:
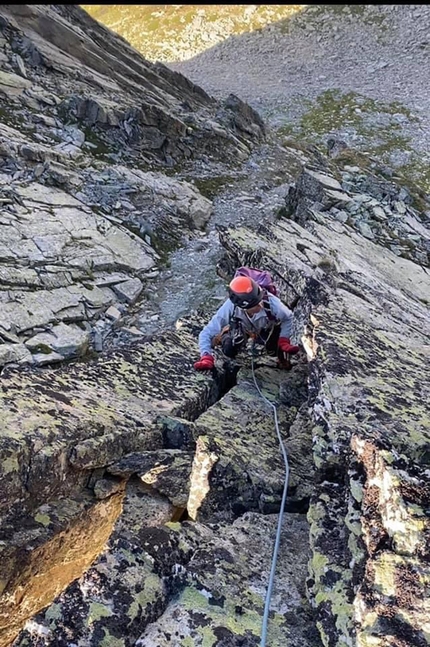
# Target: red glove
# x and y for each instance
(286, 346)
(205, 363)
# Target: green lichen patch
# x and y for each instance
(334, 110)
(210, 187)
(108, 408)
(242, 446)
(392, 384)
(402, 582)
(378, 125)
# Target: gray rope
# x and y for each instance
(281, 514)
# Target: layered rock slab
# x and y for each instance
(60, 429)
(81, 232)
(84, 416)
(63, 263)
(42, 552)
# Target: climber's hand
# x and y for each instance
(205, 363)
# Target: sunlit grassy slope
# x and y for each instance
(177, 32)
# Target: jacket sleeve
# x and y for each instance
(283, 315)
(220, 319)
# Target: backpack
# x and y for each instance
(262, 277)
(264, 280)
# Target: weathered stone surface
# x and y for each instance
(12, 84)
(59, 426)
(129, 290)
(238, 464)
(135, 406)
(224, 603)
(71, 427)
(154, 102)
(11, 353)
(74, 231)
(364, 318)
(167, 471)
(372, 206)
(195, 582)
(46, 551)
(66, 340)
(157, 205)
(87, 124)
(395, 531)
(356, 436)
(56, 251)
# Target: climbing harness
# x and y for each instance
(257, 333)
(281, 513)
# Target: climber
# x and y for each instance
(249, 312)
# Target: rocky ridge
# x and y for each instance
(85, 217)
(353, 415)
(356, 72)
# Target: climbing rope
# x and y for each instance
(281, 514)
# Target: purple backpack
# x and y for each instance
(262, 277)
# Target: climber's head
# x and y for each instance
(245, 293)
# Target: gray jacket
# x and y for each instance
(256, 323)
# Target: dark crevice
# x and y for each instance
(223, 379)
(228, 379)
(300, 506)
(184, 516)
(180, 515)
(334, 473)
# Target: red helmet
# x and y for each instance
(244, 292)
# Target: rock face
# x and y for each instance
(363, 312)
(44, 457)
(85, 215)
(197, 458)
(187, 31)
(126, 405)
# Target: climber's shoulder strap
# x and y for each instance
(266, 306)
(234, 314)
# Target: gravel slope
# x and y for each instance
(379, 51)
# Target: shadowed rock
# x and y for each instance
(43, 552)
(192, 581)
